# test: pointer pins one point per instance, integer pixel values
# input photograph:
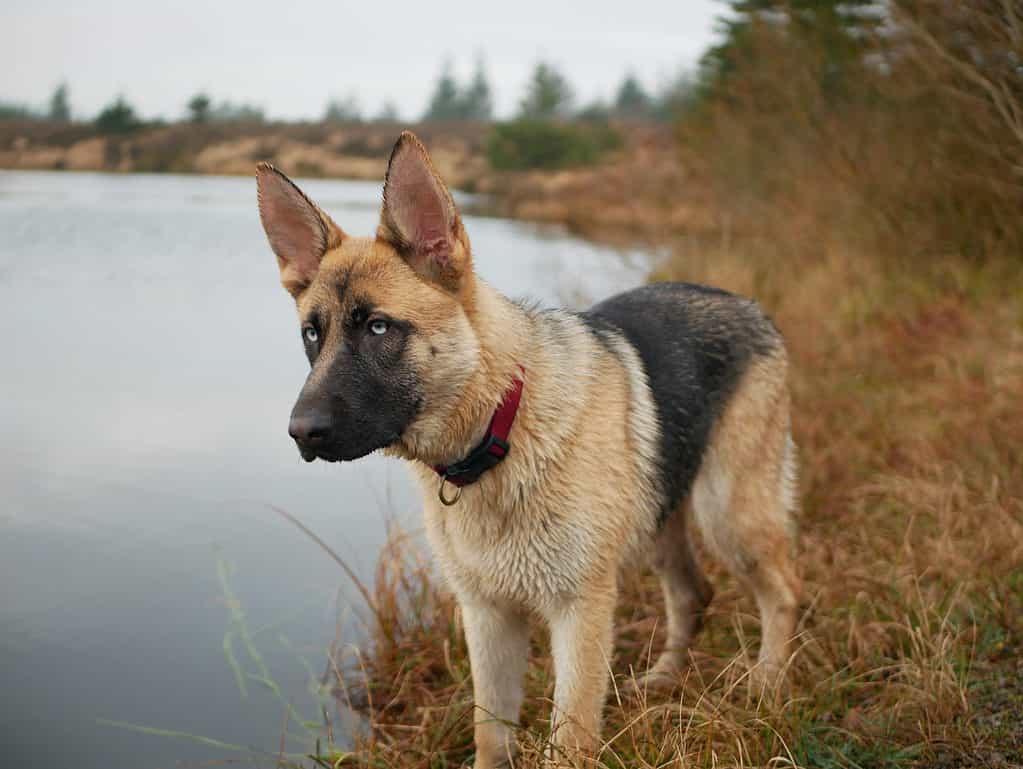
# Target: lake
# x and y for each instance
(151, 360)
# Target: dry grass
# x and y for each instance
(882, 234)
(911, 543)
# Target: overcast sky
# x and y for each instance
(290, 56)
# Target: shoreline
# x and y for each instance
(633, 197)
(316, 150)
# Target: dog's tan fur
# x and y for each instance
(546, 532)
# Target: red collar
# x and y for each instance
(492, 449)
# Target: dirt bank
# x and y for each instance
(310, 150)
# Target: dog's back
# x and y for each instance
(695, 342)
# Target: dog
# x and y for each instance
(553, 448)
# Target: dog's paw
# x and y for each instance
(767, 681)
(505, 760)
(659, 679)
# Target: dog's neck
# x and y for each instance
(502, 330)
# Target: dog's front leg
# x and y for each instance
(581, 643)
(498, 640)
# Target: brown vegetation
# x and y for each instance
(356, 151)
(644, 193)
(882, 232)
(907, 384)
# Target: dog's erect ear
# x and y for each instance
(298, 231)
(419, 217)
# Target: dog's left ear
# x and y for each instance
(419, 218)
(298, 231)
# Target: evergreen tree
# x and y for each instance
(60, 104)
(596, 111)
(839, 28)
(388, 113)
(548, 94)
(632, 100)
(345, 110)
(445, 104)
(477, 103)
(199, 108)
(117, 117)
(228, 112)
(675, 97)
(15, 111)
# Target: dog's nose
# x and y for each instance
(309, 427)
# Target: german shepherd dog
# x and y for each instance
(553, 448)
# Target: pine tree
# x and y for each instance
(596, 111)
(632, 100)
(675, 97)
(229, 112)
(345, 110)
(548, 94)
(477, 103)
(15, 111)
(839, 28)
(60, 105)
(445, 104)
(199, 108)
(388, 113)
(117, 117)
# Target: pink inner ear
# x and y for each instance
(418, 207)
(292, 226)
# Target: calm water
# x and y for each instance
(150, 360)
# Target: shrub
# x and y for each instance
(15, 111)
(118, 117)
(529, 143)
(199, 108)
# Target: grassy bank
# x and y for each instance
(907, 386)
(880, 230)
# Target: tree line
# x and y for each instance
(548, 95)
(58, 108)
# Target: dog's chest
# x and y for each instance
(521, 554)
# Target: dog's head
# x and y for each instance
(385, 320)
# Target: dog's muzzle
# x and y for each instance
(311, 430)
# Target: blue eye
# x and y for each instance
(378, 327)
(310, 334)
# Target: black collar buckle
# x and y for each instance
(488, 454)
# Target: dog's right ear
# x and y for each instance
(419, 219)
(298, 231)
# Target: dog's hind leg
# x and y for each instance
(743, 499)
(687, 593)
